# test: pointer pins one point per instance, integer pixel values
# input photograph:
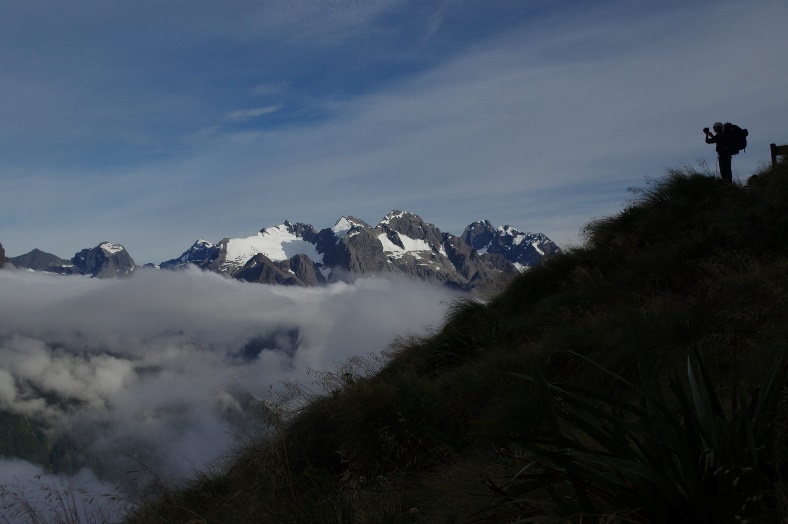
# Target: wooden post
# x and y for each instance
(777, 151)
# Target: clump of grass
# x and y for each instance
(58, 502)
(650, 459)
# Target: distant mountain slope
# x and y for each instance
(297, 254)
(401, 243)
(38, 260)
(107, 260)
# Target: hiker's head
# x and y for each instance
(717, 127)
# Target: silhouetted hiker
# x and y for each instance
(723, 150)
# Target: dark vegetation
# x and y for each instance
(636, 378)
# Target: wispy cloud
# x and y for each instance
(321, 22)
(504, 123)
(249, 114)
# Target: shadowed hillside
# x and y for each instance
(617, 382)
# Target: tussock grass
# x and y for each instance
(58, 502)
(443, 425)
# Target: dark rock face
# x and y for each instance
(305, 270)
(478, 268)
(38, 260)
(464, 259)
(264, 270)
(2, 256)
(305, 231)
(479, 234)
(297, 271)
(106, 260)
(360, 251)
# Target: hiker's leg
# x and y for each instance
(725, 168)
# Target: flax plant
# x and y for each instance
(693, 458)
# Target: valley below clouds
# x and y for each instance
(165, 370)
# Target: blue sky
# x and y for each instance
(155, 123)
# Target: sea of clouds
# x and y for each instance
(164, 370)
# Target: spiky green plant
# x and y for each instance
(688, 459)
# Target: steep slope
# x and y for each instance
(693, 265)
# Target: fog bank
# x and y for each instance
(163, 369)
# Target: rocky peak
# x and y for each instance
(299, 270)
(524, 249)
(107, 260)
(202, 253)
(410, 225)
(300, 230)
(346, 224)
(110, 249)
(479, 234)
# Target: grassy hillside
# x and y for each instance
(636, 378)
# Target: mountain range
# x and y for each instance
(298, 254)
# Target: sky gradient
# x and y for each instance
(152, 124)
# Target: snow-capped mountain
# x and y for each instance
(107, 260)
(522, 249)
(201, 254)
(401, 243)
(298, 254)
(230, 255)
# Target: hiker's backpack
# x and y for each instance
(735, 137)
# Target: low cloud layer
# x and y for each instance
(162, 370)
